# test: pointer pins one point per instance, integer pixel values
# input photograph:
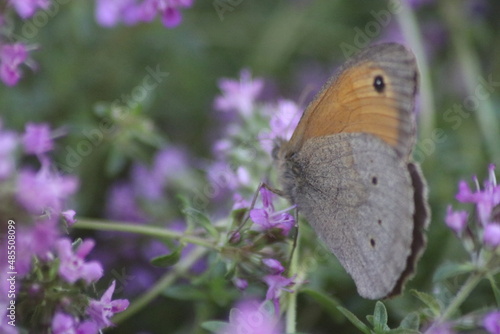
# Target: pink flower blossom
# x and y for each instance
(102, 310)
(73, 267)
(238, 95)
(456, 220)
(37, 138)
(267, 218)
(11, 57)
(492, 322)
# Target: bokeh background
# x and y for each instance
(81, 68)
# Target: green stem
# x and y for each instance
(152, 231)
(180, 269)
(494, 287)
(464, 292)
(471, 72)
(291, 310)
(409, 27)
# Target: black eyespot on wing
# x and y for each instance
(374, 180)
(372, 242)
(379, 84)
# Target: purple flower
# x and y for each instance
(73, 267)
(35, 240)
(239, 95)
(456, 220)
(284, 119)
(240, 283)
(465, 194)
(111, 12)
(239, 202)
(102, 310)
(26, 8)
(8, 144)
(145, 183)
(222, 177)
(44, 237)
(122, 204)
(169, 164)
(11, 56)
(267, 218)
(63, 323)
(277, 283)
(169, 10)
(492, 322)
(250, 317)
(37, 138)
(69, 216)
(485, 199)
(491, 234)
(44, 190)
(274, 265)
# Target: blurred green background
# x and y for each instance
(295, 45)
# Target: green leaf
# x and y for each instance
(237, 217)
(354, 320)
(429, 300)
(328, 303)
(215, 326)
(195, 217)
(449, 270)
(380, 318)
(410, 321)
(219, 292)
(167, 260)
(267, 308)
(403, 331)
(76, 244)
(115, 163)
(495, 289)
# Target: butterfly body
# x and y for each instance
(347, 167)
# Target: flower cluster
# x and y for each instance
(240, 161)
(487, 206)
(246, 118)
(267, 218)
(12, 56)
(110, 12)
(480, 239)
(36, 198)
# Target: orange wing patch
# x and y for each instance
(352, 103)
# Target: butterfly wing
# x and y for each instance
(372, 93)
(357, 194)
(347, 168)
